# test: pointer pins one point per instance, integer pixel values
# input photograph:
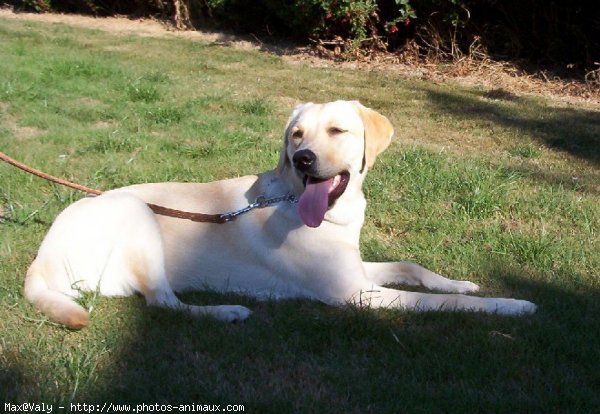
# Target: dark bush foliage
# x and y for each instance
(547, 32)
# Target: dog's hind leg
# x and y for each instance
(414, 275)
(151, 281)
(139, 262)
(164, 297)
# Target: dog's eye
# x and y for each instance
(336, 131)
(297, 134)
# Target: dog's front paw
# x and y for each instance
(231, 313)
(514, 307)
(463, 286)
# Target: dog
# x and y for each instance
(115, 245)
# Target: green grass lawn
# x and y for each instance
(499, 189)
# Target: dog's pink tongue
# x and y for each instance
(314, 202)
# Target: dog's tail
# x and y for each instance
(56, 305)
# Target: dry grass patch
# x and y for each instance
(11, 123)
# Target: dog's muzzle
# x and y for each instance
(305, 161)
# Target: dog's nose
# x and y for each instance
(304, 160)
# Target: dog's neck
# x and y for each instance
(288, 179)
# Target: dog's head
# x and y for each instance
(329, 146)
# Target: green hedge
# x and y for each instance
(548, 32)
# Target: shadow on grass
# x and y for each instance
(299, 356)
(12, 380)
(570, 130)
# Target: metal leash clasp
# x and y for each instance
(260, 202)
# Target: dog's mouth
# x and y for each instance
(319, 195)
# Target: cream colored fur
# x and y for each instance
(115, 245)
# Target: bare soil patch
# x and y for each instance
(499, 77)
(121, 25)
(19, 132)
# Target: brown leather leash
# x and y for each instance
(163, 211)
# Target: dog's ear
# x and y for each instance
(378, 132)
(283, 158)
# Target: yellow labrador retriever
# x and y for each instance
(304, 245)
